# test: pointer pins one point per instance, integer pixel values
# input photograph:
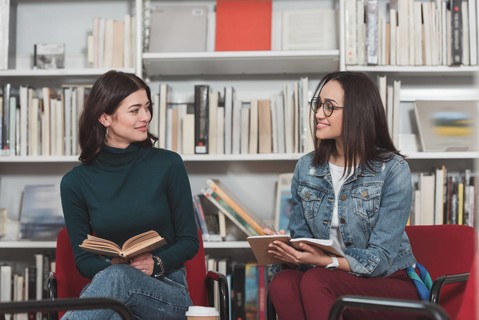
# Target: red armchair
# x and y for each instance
(66, 282)
(447, 251)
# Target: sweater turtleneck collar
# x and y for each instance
(112, 157)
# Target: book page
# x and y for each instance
(144, 242)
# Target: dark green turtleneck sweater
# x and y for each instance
(125, 192)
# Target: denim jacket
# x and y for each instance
(373, 209)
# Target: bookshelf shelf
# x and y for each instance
(226, 245)
(22, 244)
(240, 158)
(442, 155)
(418, 71)
(240, 62)
(87, 72)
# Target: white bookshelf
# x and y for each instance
(255, 74)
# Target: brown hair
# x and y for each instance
(365, 131)
(107, 93)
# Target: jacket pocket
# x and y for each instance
(366, 200)
(310, 200)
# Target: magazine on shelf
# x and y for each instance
(447, 125)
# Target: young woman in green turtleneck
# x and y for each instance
(124, 187)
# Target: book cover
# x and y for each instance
(8, 32)
(49, 56)
(222, 205)
(253, 221)
(251, 291)
(243, 25)
(427, 186)
(201, 119)
(284, 201)
(41, 214)
(213, 101)
(143, 242)
(260, 246)
(265, 130)
(178, 28)
(456, 32)
(447, 125)
(238, 291)
(372, 45)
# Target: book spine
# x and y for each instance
(456, 32)
(237, 292)
(228, 211)
(5, 134)
(372, 32)
(201, 118)
(244, 215)
(201, 216)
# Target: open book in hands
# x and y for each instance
(141, 243)
(260, 246)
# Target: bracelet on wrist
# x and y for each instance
(161, 267)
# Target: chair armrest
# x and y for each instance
(52, 286)
(211, 277)
(66, 304)
(374, 303)
(441, 281)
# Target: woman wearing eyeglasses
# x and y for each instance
(354, 188)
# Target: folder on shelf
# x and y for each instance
(243, 25)
(178, 29)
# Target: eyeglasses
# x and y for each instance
(327, 106)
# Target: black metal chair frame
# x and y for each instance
(65, 304)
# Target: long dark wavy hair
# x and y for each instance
(365, 131)
(107, 93)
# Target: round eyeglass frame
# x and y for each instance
(327, 106)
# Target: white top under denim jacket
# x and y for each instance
(373, 210)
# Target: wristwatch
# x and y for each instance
(334, 264)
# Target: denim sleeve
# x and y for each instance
(386, 236)
(297, 222)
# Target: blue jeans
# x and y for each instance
(147, 298)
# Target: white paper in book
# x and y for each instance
(447, 125)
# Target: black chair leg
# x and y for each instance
(271, 312)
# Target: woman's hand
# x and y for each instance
(305, 254)
(143, 262)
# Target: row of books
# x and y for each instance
(220, 123)
(248, 286)
(27, 284)
(40, 122)
(442, 197)
(238, 26)
(111, 43)
(411, 33)
(45, 121)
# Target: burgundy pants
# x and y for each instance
(310, 295)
